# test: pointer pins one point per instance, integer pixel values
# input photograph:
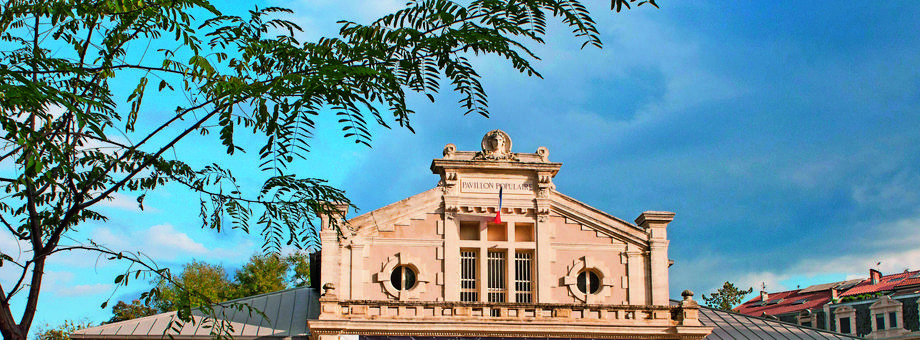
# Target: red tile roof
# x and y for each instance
(885, 283)
(910, 281)
(818, 295)
(787, 305)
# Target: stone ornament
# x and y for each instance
(449, 151)
(496, 145)
(587, 263)
(543, 152)
(421, 277)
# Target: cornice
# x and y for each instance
(604, 223)
(502, 329)
(438, 166)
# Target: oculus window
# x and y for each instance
(403, 278)
(589, 282)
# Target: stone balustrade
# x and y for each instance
(505, 320)
(625, 315)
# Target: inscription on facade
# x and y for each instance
(492, 185)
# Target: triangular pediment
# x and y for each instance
(400, 213)
(605, 225)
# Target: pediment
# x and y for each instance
(885, 301)
(400, 213)
(605, 225)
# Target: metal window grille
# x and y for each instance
(523, 277)
(497, 286)
(468, 288)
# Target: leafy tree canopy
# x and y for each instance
(62, 331)
(270, 273)
(77, 78)
(726, 297)
(198, 284)
(201, 283)
(122, 311)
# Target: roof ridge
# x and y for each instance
(260, 295)
(902, 273)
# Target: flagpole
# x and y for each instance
(498, 213)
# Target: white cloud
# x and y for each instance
(772, 281)
(83, 290)
(164, 236)
(165, 242)
(125, 202)
(13, 247)
(317, 18)
(893, 246)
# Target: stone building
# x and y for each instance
(492, 251)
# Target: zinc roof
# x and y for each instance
(286, 312)
(730, 326)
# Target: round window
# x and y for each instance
(403, 278)
(589, 282)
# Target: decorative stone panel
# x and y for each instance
(604, 274)
(422, 277)
(845, 312)
(889, 327)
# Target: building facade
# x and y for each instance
(878, 307)
(495, 244)
(492, 251)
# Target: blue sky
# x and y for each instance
(784, 134)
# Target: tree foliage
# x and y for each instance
(122, 311)
(210, 283)
(202, 283)
(270, 273)
(62, 331)
(726, 297)
(77, 78)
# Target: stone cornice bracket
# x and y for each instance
(545, 183)
(451, 207)
(448, 184)
(542, 213)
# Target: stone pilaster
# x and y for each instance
(331, 249)
(655, 224)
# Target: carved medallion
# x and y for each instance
(496, 145)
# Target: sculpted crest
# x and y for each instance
(496, 145)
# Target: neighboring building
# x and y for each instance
(879, 307)
(801, 306)
(441, 265)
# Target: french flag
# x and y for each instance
(498, 213)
